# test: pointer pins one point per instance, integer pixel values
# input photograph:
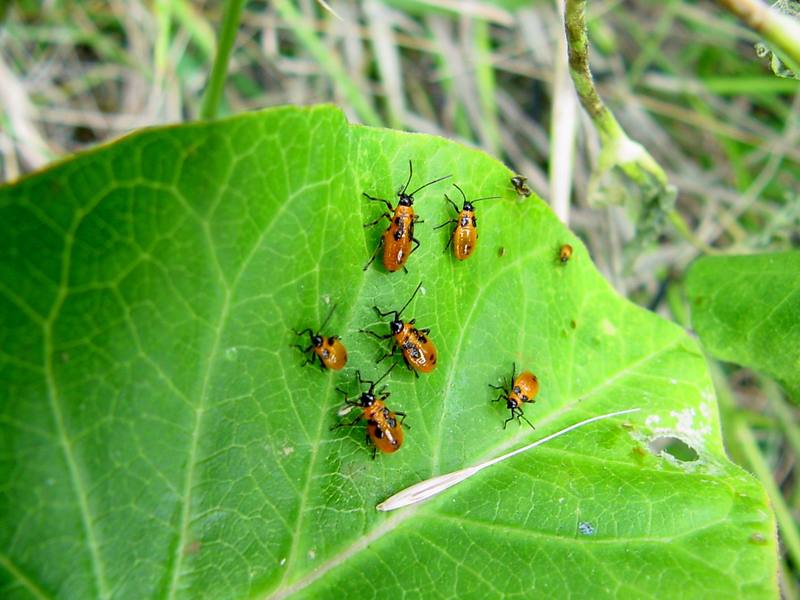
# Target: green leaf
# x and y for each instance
(746, 309)
(160, 438)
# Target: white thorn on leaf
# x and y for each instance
(431, 487)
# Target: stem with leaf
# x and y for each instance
(626, 173)
(216, 83)
(779, 30)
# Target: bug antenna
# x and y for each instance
(410, 173)
(485, 198)
(463, 195)
(328, 318)
(398, 313)
(389, 370)
(429, 183)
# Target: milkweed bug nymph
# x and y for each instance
(398, 238)
(565, 253)
(329, 350)
(522, 389)
(418, 350)
(518, 181)
(465, 233)
(384, 431)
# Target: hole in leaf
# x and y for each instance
(675, 447)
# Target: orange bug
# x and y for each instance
(384, 431)
(465, 233)
(522, 389)
(518, 181)
(329, 350)
(565, 253)
(419, 352)
(398, 240)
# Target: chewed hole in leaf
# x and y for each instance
(674, 447)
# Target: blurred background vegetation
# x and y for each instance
(683, 78)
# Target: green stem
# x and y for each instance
(329, 63)
(779, 30)
(682, 227)
(484, 72)
(783, 414)
(786, 524)
(216, 83)
(578, 43)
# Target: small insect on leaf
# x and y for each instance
(398, 240)
(329, 350)
(565, 253)
(465, 233)
(384, 430)
(518, 181)
(521, 388)
(418, 350)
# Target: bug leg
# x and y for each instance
(384, 357)
(449, 241)
(453, 204)
(309, 360)
(426, 331)
(374, 199)
(378, 220)
(416, 245)
(299, 347)
(497, 387)
(524, 418)
(375, 335)
(350, 424)
(374, 254)
(403, 419)
(305, 331)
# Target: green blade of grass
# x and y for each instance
(216, 83)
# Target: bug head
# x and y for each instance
(367, 399)
(469, 205)
(511, 403)
(317, 340)
(396, 326)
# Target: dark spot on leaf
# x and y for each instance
(586, 528)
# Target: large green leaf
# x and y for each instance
(746, 309)
(159, 437)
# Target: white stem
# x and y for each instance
(431, 487)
